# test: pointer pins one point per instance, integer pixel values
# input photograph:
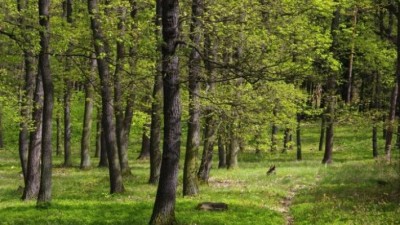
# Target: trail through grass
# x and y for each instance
(355, 189)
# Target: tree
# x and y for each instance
(190, 184)
(44, 197)
(102, 50)
(156, 106)
(164, 206)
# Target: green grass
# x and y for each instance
(355, 189)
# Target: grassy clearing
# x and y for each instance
(354, 190)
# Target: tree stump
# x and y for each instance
(212, 206)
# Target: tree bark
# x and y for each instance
(221, 153)
(208, 149)
(298, 138)
(102, 49)
(274, 133)
(351, 58)
(103, 150)
(331, 93)
(164, 206)
(156, 106)
(122, 139)
(32, 181)
(44, 197)
(58, 134)
(98, 134)
(286, 140)
(145, 149)
(393, 100)
(190, 183)
(322, 134)
(231, 157)
(87, 120)
(67, 124)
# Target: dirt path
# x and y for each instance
(286, 203)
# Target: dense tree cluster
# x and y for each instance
(239, 75)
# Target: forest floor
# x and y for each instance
(354, 189)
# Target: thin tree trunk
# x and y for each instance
(98, 134)
(32, 182)
(67, 124)
(44, 197)
(156, 105)
(298, 137)
(164, 206)
(102, 49)
(351, 60)
(87, 120)
(221, 153)
(374, 141)
(145, 149)
(58, 134)
(286, 140)
(274, 133)
(322, 134)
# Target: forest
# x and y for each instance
(199, 112)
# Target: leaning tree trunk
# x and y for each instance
(164, 206)
(102, 49)
(87, 120)
(190, 183)
(156, 105)
(44, 197)
(32, 181)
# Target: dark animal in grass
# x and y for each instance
(271, 170)
(212, 206)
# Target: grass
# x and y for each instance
(355, 189)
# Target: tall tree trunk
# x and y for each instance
(98, 133)
(58, 134)
(103, 150)
(190, 183)
(298, 137)
(44, 197)
(145, 149)
(67, 14)
(322, 133)
(231, 157)
(32, 181)
(274, 132)
(331, 93)
(27, 96)
(119, 112)
(286, 140)
(208, 147)
(164, 206)
(87, 120)
(221, 153)
(156, 105)
(102, 49)
(351, 58)
(375, 106)
(67, 124)
(393, 100)
(211, 125)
